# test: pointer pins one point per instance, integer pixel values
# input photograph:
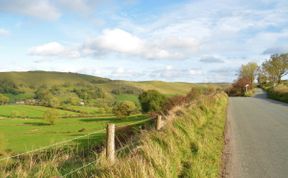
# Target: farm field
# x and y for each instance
(27, 111)
(127, 97)
(95, 111)
(27, 134)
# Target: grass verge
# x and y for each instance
(189, 146)
(279, 93)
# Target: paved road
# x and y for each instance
(258, 137)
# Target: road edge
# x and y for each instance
(226, 153)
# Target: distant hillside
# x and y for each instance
(38, 78)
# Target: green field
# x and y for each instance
(22, 135)
(88, 110)
(27, 111)
(127, 97)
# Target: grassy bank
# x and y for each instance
(190, 146)
(279, 93)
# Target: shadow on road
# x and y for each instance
(261, 94)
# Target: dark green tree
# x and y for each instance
(3, 99)
(152, 100)
(124, 109)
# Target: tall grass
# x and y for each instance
(2, 144)
(189, 146)
(279, 92)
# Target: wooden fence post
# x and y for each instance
(159, 122)
(110, 145)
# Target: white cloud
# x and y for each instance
(4, 32)
(123, 42)
(54, 49)
(43, 9)
(120, 41)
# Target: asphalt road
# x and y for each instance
(258, 131)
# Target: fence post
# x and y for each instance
(110, 145)
(159, 122)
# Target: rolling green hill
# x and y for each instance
(34, 79)
(38, 78)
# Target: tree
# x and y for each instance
(276, 67)
(46, 98)
(51, 116)
(249, 70)
(262, 78)
(3, 99)
(7, 86)
(152, 100)
(124, 109)
(239, 87)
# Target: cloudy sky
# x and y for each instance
(171, 40)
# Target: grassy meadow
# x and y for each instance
(27, 134)
(28, 111)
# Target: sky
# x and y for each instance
(169, 40)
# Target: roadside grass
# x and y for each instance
(29, 111)
(249, 93)
(189, 146)
(25, 135)
(279, 92)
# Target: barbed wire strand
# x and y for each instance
(63, 142)
(91, 163)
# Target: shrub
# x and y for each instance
(238, 87)
(152, 101)
(127, 90)
(124, 109)
(7, 86)
(172, 102)
(3, 99)
(51, 116)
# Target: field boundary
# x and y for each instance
(66, 141)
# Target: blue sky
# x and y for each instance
(194, 41)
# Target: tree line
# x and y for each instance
(269, 75)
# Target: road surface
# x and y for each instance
(258, 131)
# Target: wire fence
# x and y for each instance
(52, 145)
(91, 163)
(64, 142)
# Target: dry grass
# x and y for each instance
(189, 146)
(279, 92)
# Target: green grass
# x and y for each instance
(279, 92)
(38, 78)
(127, 97)
(28, 111)
(22, 135)
(90, 110)
(167, 88)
